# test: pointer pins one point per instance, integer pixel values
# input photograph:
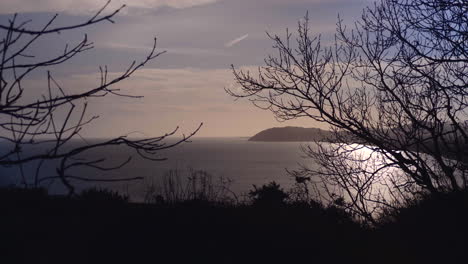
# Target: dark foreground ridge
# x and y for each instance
(291, 134)
(102, 227)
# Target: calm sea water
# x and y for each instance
(243, 162)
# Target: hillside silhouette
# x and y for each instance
(291, 134)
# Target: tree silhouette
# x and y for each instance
(395, 85)
(48, 122)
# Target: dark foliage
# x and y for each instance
(38, 228)
(193, 187)
(95, 195)
(270, 195)
(435, 224)
(85, 231)
(22, 196)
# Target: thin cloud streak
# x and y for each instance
(236, 41)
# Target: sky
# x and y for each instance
(186, 85)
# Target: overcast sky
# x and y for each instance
(185, 86)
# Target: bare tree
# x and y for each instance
(50, 121)
(395, 86)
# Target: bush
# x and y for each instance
(197, 187)
(95, 195)
(270, 195)
(16, 195)
(432, 223)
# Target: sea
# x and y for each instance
(238, 162)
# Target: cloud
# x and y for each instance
(235, 41)
(90, 6)
(170, 50)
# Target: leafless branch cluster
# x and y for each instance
(395, 85)
(48, 122)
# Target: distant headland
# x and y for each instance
(291, 134)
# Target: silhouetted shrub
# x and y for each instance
(197, 187)
(270, 195)
(431, 208)
(17, 195)
(95, 195)
(435, 223)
